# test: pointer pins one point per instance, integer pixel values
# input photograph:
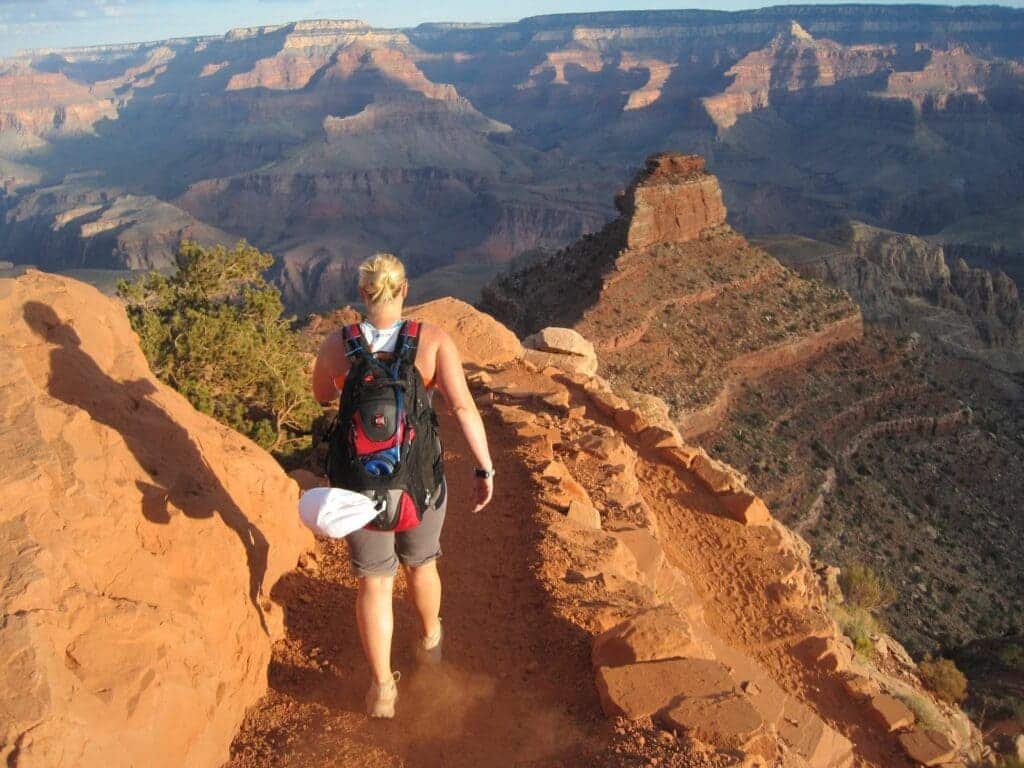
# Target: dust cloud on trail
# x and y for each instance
(451, 717)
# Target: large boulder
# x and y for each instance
(139, 545)
(563, 348)
(481, 339)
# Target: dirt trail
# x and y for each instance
(516, 687)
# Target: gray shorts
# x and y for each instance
(377, 553)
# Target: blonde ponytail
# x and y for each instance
(381, 277)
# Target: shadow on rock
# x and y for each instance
(181, 480)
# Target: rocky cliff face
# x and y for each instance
(75, 225)
(888, 273)
(140, 541)
(792, 61)
(672, 200)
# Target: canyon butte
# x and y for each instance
(887, 430)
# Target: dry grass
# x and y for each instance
(942, 678)
(859, 625)
(865, 588)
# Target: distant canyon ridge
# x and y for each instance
(465, 147)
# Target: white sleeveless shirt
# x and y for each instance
(381, 339)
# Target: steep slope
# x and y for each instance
(75, 225)
(677, 303)
(895, 454)
(614, 553)
(792, 61)
(901, 452)
(140, 543)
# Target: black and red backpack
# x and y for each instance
(384, 441)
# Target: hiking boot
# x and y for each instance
(381, 698)
(428, 649)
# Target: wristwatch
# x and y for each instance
(484, 473)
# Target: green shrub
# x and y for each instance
(942, 678)
(214, 331)
(864, 588)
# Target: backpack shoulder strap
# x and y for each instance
(408, 342)
(354, 342)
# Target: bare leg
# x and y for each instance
(376, 623)
(425, 593)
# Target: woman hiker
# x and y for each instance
(375, 554)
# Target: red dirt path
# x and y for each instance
(516, 687)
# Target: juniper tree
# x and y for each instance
(214, 330)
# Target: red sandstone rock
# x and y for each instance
(482, 340)
(563, 362)
(657, 438)
(554, 470)
(859, 687)
(824, 652)
(809, 737)
(744, 507)
(716, 475)
(639, 690)
(608, 446)
(513, 414)
(672, 199)
(652, 635)
(607, 402)
(728, 722)
(564, 341)
(595, 555)
(927, 747)
(583, 515)
(645, 548)
(631, 421)
(890, 713)
(681, 456)
(677, 590)
(566, 491)
(141, 543)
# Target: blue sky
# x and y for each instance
(63, 23)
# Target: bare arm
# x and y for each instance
(330, 363)
(451, 380)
